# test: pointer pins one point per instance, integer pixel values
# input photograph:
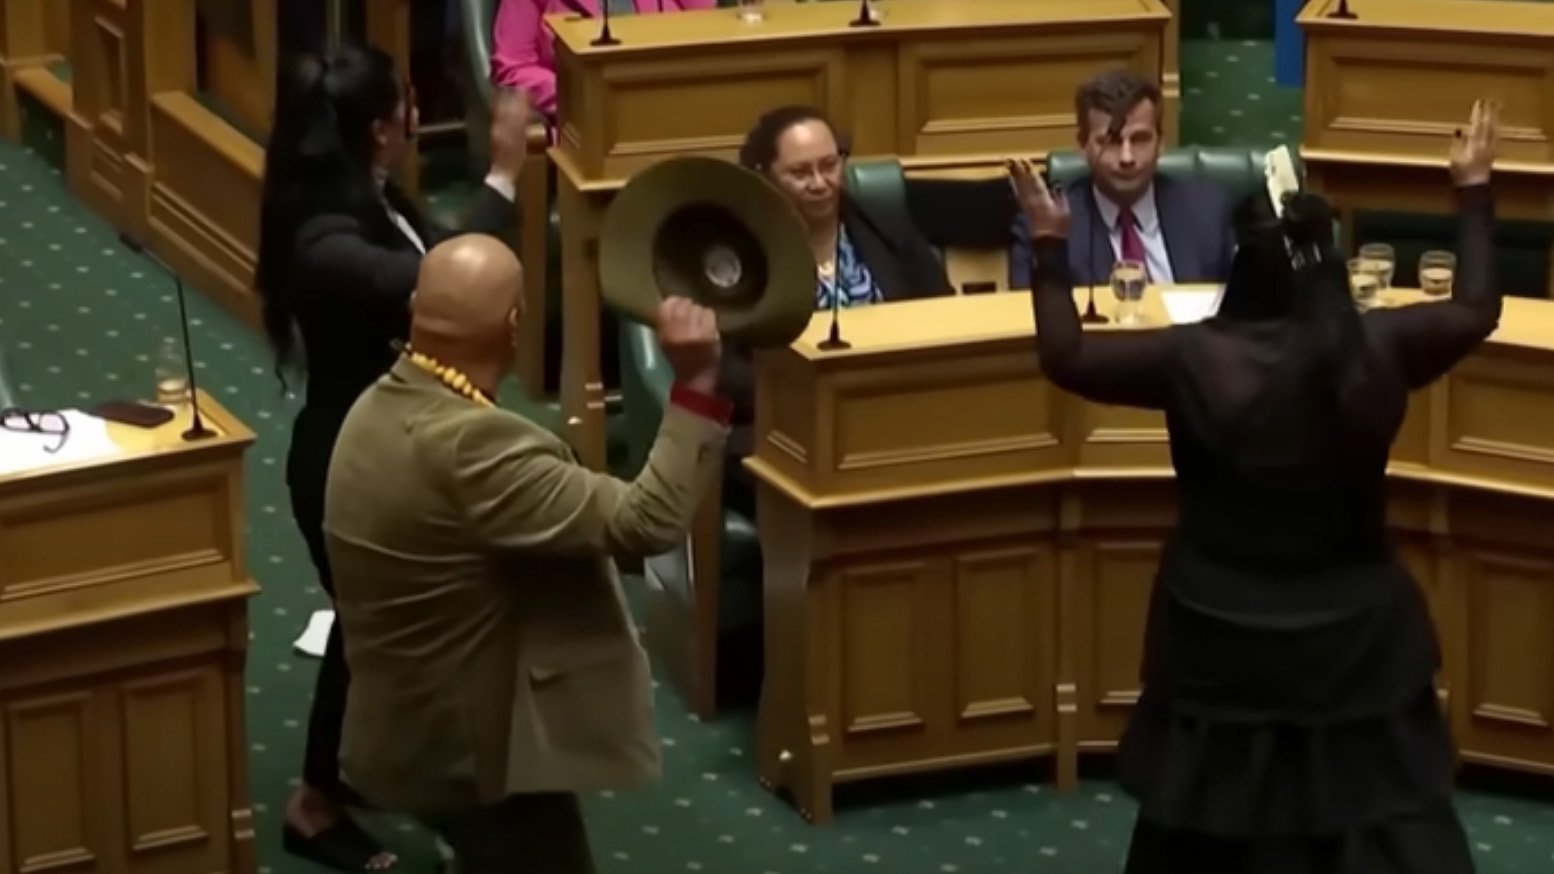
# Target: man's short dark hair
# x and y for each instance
(1114, 93)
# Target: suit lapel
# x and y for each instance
(874, 250)
(1170, 212)
(1094, 265)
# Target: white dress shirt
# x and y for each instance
(500, 184)
(1156, 258)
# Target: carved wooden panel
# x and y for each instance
(58, 770)
(635, 111)
(1116, 578)
(1508, 700)
(886, 638)
(1120, 437)
(174, 741)
(972, 94)
(202, 201)
(1005, 643)
(190, 544)
(872, 445)
(1406, 93)
(1498, 421)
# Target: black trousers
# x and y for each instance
(522, 834)
(307, 469)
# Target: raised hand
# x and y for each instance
(688, 334)
(1047, 212)
(1473, 150)
(509, 132)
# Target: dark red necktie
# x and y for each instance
(1132, 243)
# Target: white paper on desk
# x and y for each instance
(316, 636)
(1186, 307)
(23, 451)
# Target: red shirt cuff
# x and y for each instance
(719, 410)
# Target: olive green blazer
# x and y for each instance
(485, 627)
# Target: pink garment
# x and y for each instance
(523, 53)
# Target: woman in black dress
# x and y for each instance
(339, 249)
(1289, 721)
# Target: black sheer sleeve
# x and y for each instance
(1427, 340)
(1124, 367)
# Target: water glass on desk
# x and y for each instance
(752, 11)
(172, 375)
(1436, 271)
(1380, 260)
(1128, 281)
(1364, 284)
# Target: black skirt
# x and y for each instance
(1277, 737)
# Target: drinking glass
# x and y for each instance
(752, 11)
(1364, 284)
(1128, 285)
(172, 376)
(1382, 262)
(1436, 270)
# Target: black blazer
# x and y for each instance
(903, 264)
(351, 278)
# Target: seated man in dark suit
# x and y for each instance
(1178, 228)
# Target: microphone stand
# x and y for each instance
(1343, 11)
(197, 429)
(834, 341)
(605, 37)
(865, 15)
(1091, 317)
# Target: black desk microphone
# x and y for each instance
(197, 429)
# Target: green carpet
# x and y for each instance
(80, 320)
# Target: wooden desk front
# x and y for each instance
(1385, 93)
(123, 631)
(959, 556)
(941, 84)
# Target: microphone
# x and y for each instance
(605, 37)
(197, 429)
(865, 15)
(834, 342)
(1091, 317)
(1343, 11)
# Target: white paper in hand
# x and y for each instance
(1279, 169)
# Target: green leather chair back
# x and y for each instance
(967, 221)
(878, 184)
(476, 19)
(1239, 170)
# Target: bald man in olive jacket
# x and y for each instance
(495, 669)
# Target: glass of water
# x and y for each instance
(1436, 270)
(752, 11)
(1364, 284)
(1380, 260)
(1128, 285)
(172, 377)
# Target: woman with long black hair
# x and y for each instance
(1289, 721)
(339, 249)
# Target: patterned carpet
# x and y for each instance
(80, 320)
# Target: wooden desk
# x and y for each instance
(123, 631)
(941, 84)
(959, 556)
(1386, 92)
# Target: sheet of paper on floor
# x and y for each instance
(313, 638)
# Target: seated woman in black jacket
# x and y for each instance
(339, 249)
(865, 255)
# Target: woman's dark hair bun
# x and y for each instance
(1308, 219)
